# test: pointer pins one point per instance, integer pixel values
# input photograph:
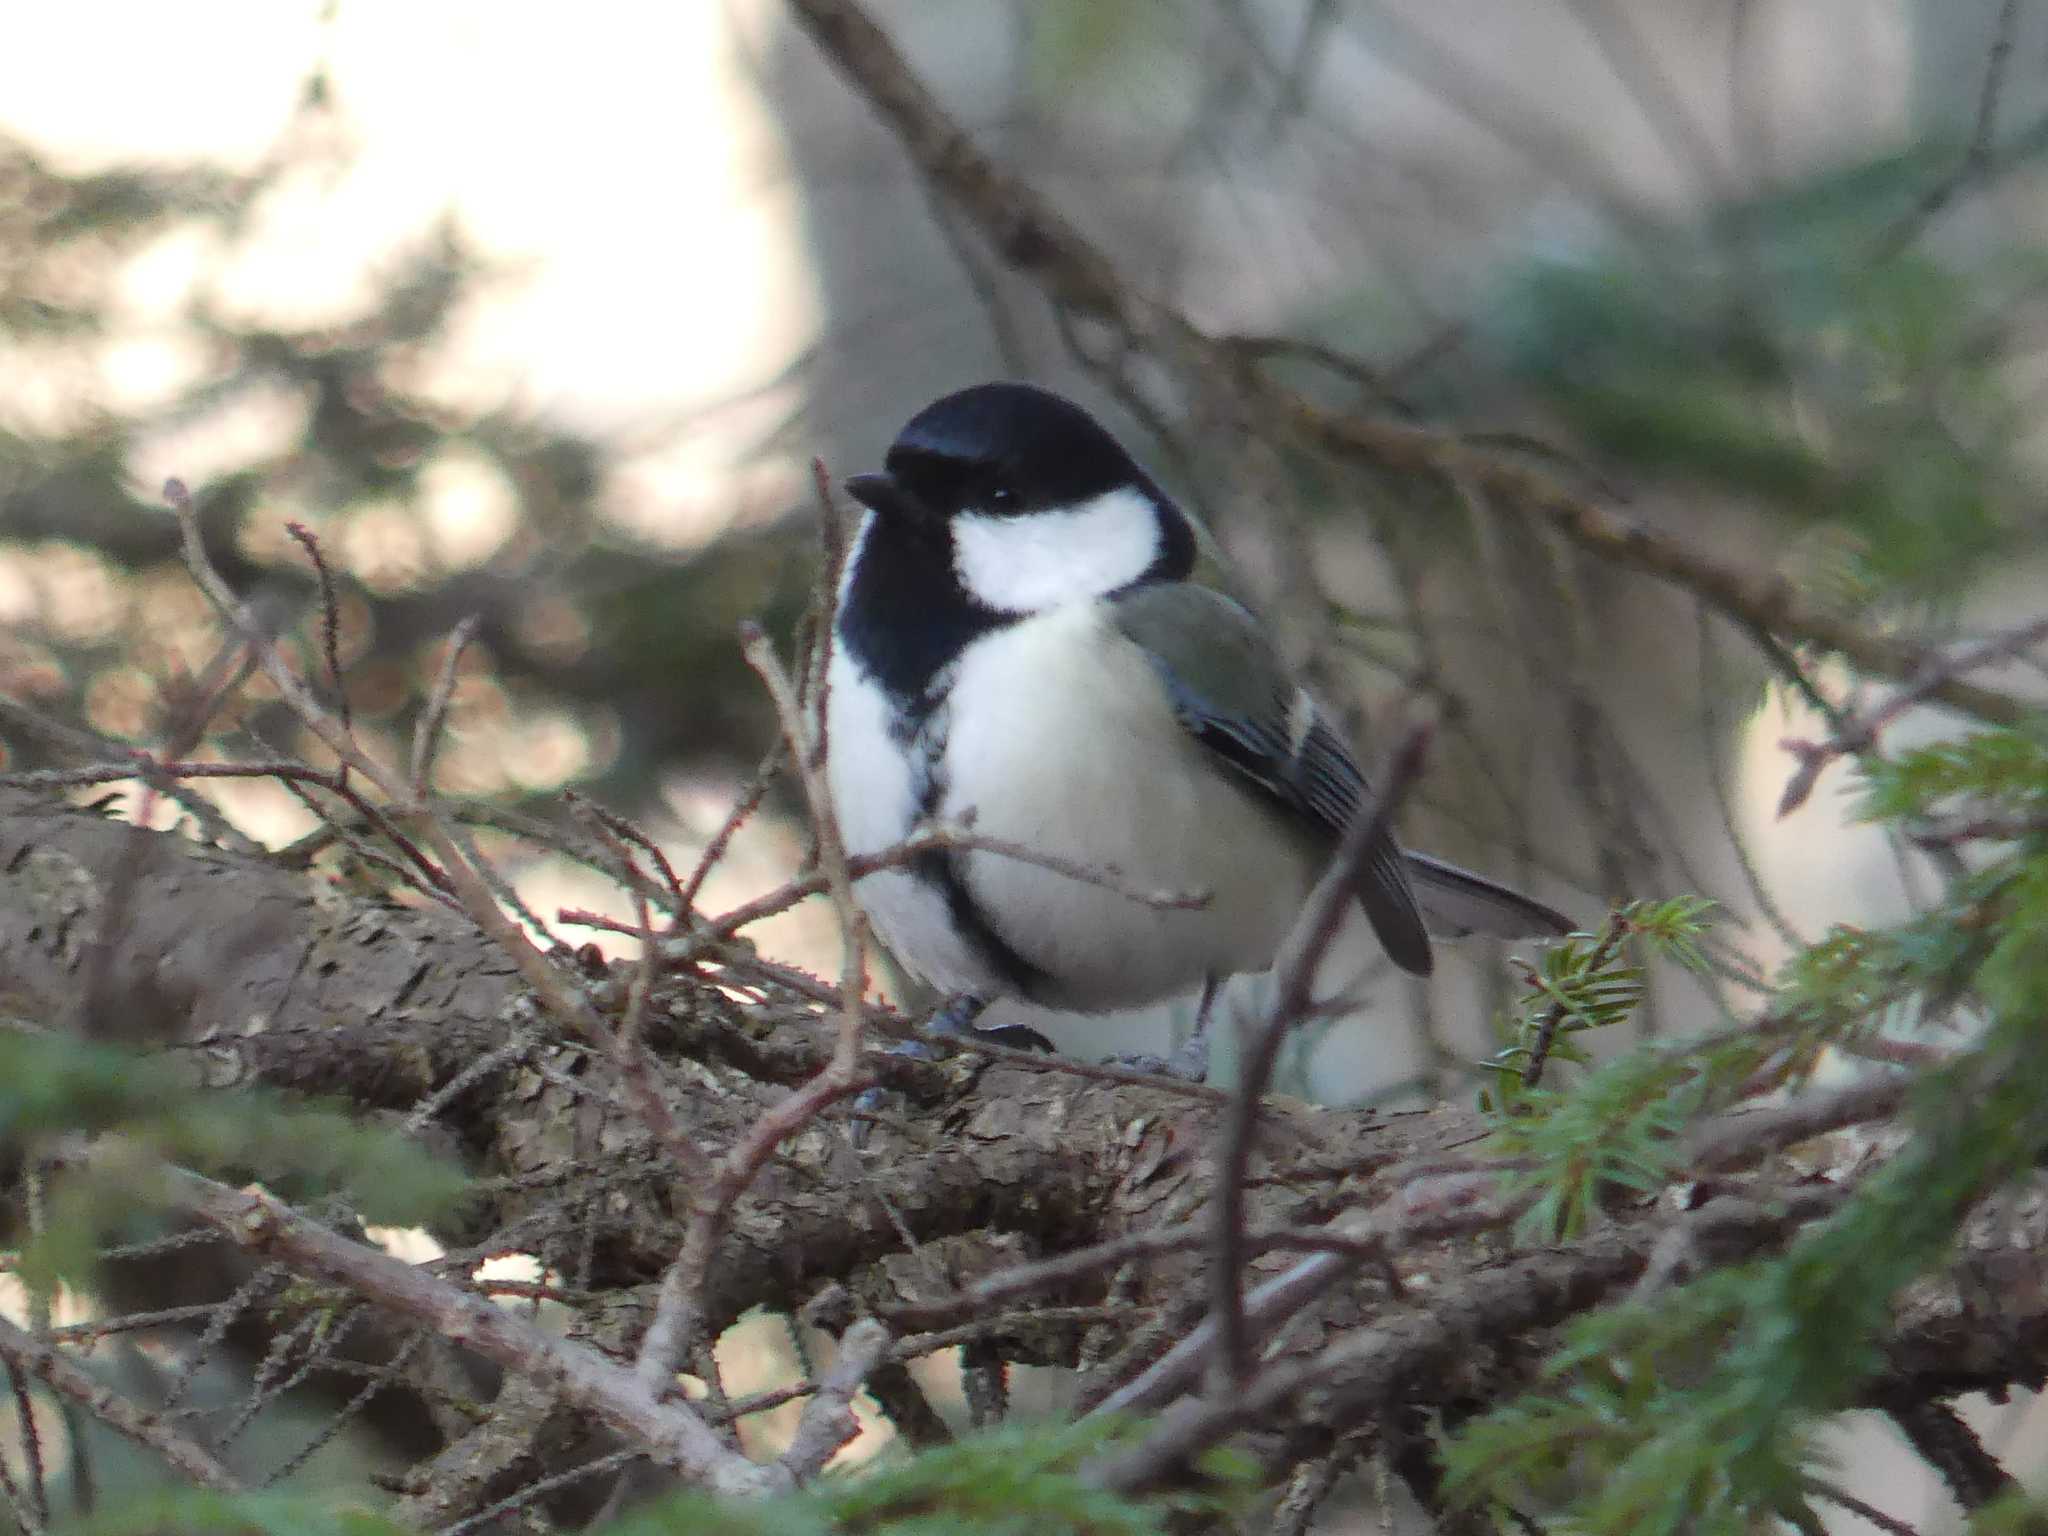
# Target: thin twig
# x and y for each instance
(1506, 1300)
(24, 1352)
(1294, 998)
(31, 1446)
(1842, 1498)
(832, 862)
(672, 1433)
(677, 1314)
(1854, 735)
(816, 694)
(638, 1070)
(426, 736)
(622, 831)
(1948, 1444)
(330, 627)
(752, 793)
(827, 1422)
(548, 983)
(1046, 1274)
(1977, 157)
(928, 840)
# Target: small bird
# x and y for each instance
(1019, 648)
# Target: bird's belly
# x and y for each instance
(1070, 749)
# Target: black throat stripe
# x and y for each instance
(945, 870)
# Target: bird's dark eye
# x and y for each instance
(1001, 498)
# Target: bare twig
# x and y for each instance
(330, 627)
(751, 795)
(637, 1067)
(671, 1432)
(1372, 1361)
(676, 1317)
(622, 832)
(1842, 1498)
(924, 841)
(144, 766)
(1854, 735)
(1294, 997)
(816, 694)
(627, 1037)
(1952, 1448)
(1745, 1137)
(1022, 1279)
(90, 744)
(31, 1448)
(1429, 1209)
(548, 984)
(828, 1422)
(1977, 157)
(24, 1352)
(426, 736)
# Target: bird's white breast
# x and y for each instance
(1059, 737)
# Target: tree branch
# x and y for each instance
(1039, 243)
(186, 1457)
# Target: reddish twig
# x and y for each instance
(751, 795)
(678, 1308)
(1294, 998)
(330, 626)
(637, 1069)
(426, 736)
(1859, 734)
(469, 887)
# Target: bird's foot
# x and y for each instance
(1189, 1063)
(954, 1019)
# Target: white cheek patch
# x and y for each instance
(1030, 562)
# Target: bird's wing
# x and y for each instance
(1232, 694)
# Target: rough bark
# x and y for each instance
(247, 972)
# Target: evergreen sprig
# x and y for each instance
(52, 1087)
(1612, 1131)
(1697, 1410)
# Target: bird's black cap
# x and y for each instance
(1044, 448)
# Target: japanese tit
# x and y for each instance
(1019, 647)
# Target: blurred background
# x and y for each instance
(541, 316)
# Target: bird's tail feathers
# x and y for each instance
(1456, 902)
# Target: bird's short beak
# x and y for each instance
(881, 493)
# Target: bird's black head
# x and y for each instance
(1009, 449)
(998, 502)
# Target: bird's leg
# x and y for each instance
(956, 1015)
(1190, 1062)
(1190, 1059)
